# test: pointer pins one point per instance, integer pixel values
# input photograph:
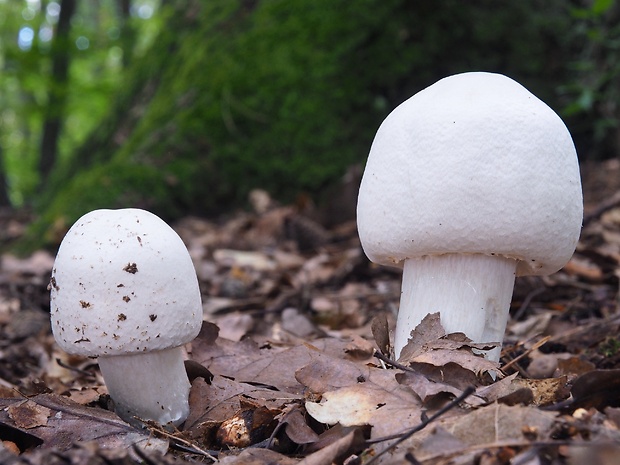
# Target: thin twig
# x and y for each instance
(540, 343)
(407, 434)
(385, 359)
(526, 302)
(188, 444)
(75, 369)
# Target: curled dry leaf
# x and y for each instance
(428, 331)
(335, 452)
(451, 374)
(426, 389)
(297, 429)
(429, 344)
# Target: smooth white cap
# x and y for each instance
(123, 282)
(474, 163)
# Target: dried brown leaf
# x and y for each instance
(298, 324)
(246, 362)
(234, 326)
(232, 392)
(598, 388)
(574, 366)
(428, 331)
(451, 373)
(542, 391)
(440, 440)
(430, 345)
(464, 358)
(379, 401)
(326, 373)
(235, 414)
(255, 456)
(68, 422)
(381, 333)
(460, 433)
(335, 451)
(28, 414)
(426, 389)
(86, 395)
(497, 422)
(297, 428)
(359, 348)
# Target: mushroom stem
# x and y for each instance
(471, 292)
(150, 385)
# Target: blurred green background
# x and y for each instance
(184, 106)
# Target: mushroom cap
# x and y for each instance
(474, 164)
(123, 282)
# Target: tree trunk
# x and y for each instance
(57, 93)
(4, 191)
(128, 32)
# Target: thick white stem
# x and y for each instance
(149, 385)
(472, 294)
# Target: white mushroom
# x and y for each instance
(124, 289)
(469, 182)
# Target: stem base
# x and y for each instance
(150, 385)
(472, 294)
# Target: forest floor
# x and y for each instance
(293, 365)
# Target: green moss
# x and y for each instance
(278, 95)
(609, 347)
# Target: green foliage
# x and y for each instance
(224, 96)
(285, 95)
(592, 91)
(609, 347)
(97, 50)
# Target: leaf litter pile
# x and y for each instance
(293, 362)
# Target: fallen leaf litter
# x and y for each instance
(284, 373)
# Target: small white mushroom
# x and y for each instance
(469, 182)
(124, 289)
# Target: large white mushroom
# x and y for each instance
(124, 289)
(468, 183)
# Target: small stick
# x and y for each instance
(540, 343)
(153, 426)
(526, 302)
(385, 359)
(404, 436)
(75, 369)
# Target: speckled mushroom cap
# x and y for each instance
(474, 163)
(123, 282)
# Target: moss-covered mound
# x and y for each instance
(276, 94)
